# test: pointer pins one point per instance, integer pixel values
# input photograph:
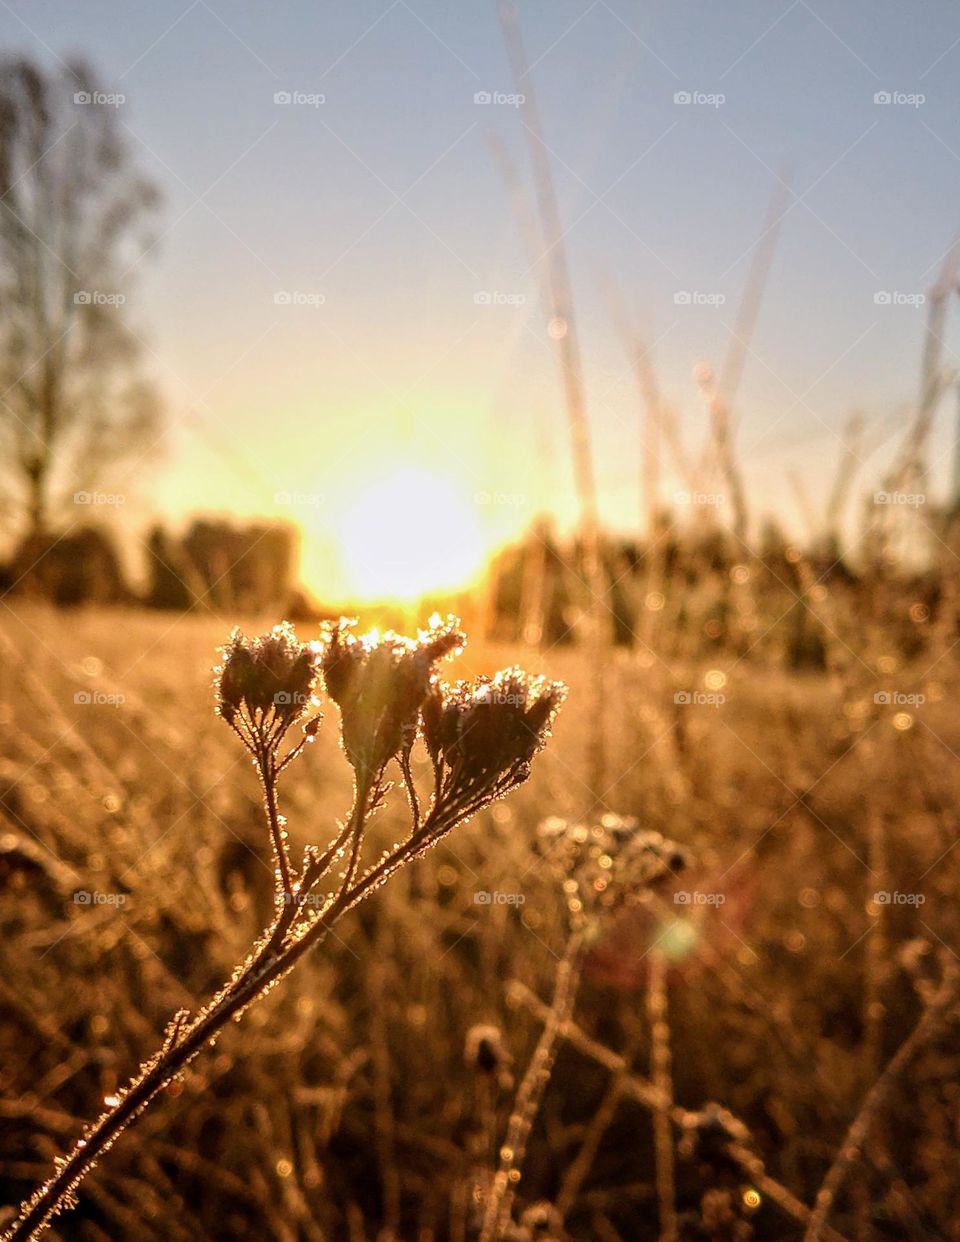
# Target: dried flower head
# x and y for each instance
(482, 736)
(604, 865)
(266, 684)
(380, 682)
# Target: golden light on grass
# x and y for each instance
(407, 534)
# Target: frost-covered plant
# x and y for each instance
(481, 739)
(605, 865)
(602, 866)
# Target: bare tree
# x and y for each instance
(73, 212)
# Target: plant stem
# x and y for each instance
(268, 779)
(265, 967)
(662, 1078)
(530, 1093)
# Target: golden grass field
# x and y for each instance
(774, 978)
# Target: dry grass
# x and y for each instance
(344, 1107)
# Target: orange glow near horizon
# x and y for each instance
(408, 534)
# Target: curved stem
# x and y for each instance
(264, 968)
(269, 963)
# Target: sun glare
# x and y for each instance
(407, 535)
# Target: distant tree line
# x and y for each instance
(217, 565)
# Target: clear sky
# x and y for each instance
(384, 211)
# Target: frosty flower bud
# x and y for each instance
(266, 684)
(380, 684)
(605, 864)
(484, 734)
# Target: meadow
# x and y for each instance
(669, 952)
(700, 1070)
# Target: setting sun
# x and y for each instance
(407, 534)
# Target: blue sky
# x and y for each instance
(387, 201)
